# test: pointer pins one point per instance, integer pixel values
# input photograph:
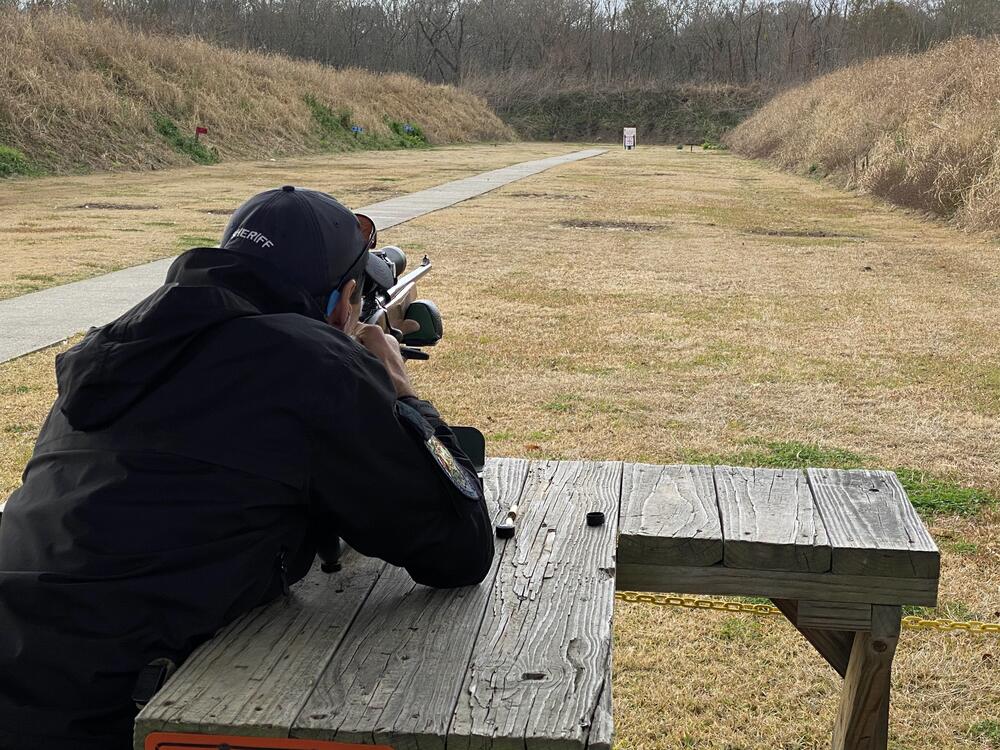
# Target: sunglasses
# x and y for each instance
(368, 230)
(370, 234)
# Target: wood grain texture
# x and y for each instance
(872, 526)
(669, 516)
(832, 645)
(886, 621)
(863, 718)
(850, 616)
(256, 674)
(769, 520)
(396, 677)
(540, 666)
(775, 584)
(602, 727)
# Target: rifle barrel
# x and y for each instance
(409, 278)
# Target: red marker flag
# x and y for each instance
(201, 131)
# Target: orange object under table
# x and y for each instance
(187, 741)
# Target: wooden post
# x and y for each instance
(863, 719)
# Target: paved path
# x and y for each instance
(33, 321)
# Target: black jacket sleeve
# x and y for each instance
(377, 480)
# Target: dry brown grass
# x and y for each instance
(690, 337)
(82, 95)
(49, 239)
(922, 131)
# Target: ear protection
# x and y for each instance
(332, 302)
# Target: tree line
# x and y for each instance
(599, 42)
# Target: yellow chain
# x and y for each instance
(914, 622)
(663, 600)
(910, 622)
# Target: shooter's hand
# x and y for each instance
(409, 326)
(386, 349)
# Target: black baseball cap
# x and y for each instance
(313, 239)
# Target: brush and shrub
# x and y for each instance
(545, 108)
(13, 162)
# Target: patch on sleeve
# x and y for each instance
(456, 474)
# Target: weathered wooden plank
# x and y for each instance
(539, 668)
(863, 719)
(774, 584)
(669, 516)
(396, 677)
(602, 728)
(872, 526)
(769, 520)
(255, 675)
(850, 616)
(832, 645)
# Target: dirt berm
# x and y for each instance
(80, 96)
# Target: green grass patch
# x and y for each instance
(14, 390)
(782, 455)
(988, 729)
(929, 494)
(337, 130)
(563, 403)
(185, 144)
(752, 600)
(407, 135)
(193, 240)
(13, 163)
(34, 277)
(604, 406)
(961, 547)
(740, 629)
(539, 435)
(334, 125)
(959, 611)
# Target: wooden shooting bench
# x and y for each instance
(365, 656)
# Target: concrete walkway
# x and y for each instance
(34, 321)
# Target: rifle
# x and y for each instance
(387, 305)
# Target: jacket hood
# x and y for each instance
(118, 364)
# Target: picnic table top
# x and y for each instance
(524, 659)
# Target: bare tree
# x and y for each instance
(596, 41)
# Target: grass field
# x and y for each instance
(61, 229)
(674, 306)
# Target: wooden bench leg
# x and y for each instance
(833, 645)
(863, 719)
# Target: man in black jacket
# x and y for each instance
(201, 447)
